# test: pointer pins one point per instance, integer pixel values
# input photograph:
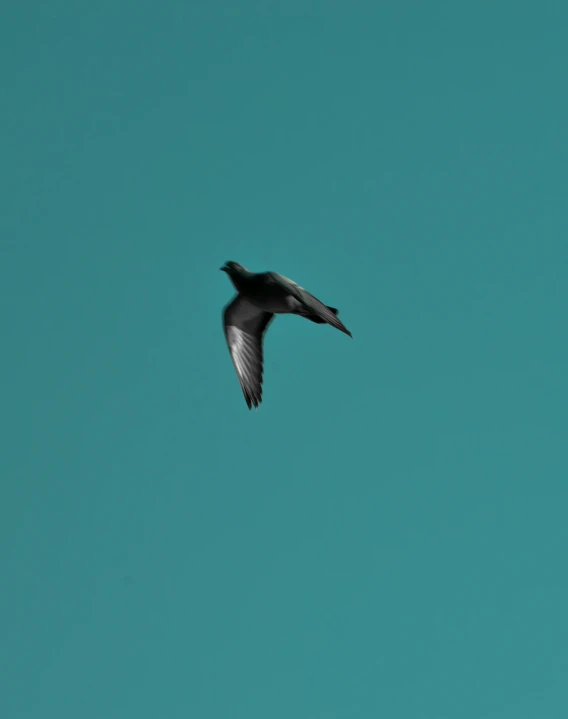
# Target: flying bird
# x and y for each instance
(261, 295)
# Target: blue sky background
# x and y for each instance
(386, 536)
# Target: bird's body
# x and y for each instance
(265, 294)
(246, 318)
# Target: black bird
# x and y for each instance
(246, 318)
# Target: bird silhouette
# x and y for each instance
(261, 295)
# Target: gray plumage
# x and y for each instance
(247, 317)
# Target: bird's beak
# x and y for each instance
(224, 268)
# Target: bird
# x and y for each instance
(260, 296)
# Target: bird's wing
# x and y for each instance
(309, 301)
(245, 326)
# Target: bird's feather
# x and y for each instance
(245, 325)
(311, 303)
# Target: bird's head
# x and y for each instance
(232, 268)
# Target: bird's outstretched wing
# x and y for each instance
(311, 303)
(245, 326)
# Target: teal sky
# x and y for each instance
(387, 535)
